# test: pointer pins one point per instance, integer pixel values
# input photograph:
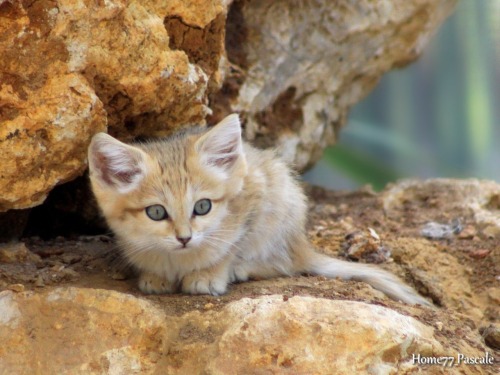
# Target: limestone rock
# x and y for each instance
(275, 336)
(16, 252)
(477, 204)
(448, 199)
(71, 330)
(305, 63)
(72, 68)
(82, 331)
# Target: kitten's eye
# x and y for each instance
(156, 212)
(202, 207)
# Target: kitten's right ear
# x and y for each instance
(115, 164)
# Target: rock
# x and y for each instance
(447, 198)
(446, 287)
(72, 330)
(297, 68)
(54, 332)
(479, 253)
(270, 335)
(491, 335)
(266, 334)
(468, 232)
(44, 140)
(475, 201)
(70, 69)
(18, 288)
(13, 252)
(365, 245)
(9, 315)
(439, 231)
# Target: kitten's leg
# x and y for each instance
(213, 280)
(251, 269)
(151, 283)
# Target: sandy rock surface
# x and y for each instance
(50, 332)
(70, 69)
(305, 63)
(71, 305)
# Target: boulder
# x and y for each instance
(303, 64)
(70, 69)
(95, 331)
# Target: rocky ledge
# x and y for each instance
(292, 70)
(69, 306)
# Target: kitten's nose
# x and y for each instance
(184, 240)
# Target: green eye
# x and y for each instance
(156, 212)
(202, 207)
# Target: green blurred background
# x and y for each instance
(439, 117)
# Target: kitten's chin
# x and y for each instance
(182, 249)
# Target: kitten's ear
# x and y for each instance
(115, 164)
(222, 145)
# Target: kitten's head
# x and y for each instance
(170, 195)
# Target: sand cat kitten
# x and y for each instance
(202, 209)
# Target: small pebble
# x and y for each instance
(491, 335)
(39, 283)
(18, 288)
(57, 267)
(492, 231)
(69, 273)
(468, 232)
(365, 245)
(343, 207)
(479, 253)
(16, 252)
(118, 276)
(437, 231)
(71, 258)
(208, 306)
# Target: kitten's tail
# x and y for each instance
(320, 264)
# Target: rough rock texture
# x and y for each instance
(265, 334)
(71, 68)
(68, 306)
(305, 63)
(51, 332)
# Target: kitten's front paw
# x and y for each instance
(203, 283)
(151, 283)
(238, 274)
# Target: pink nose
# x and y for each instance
(183, 240)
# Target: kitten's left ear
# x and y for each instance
(222, 145)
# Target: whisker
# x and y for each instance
(220, 240)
